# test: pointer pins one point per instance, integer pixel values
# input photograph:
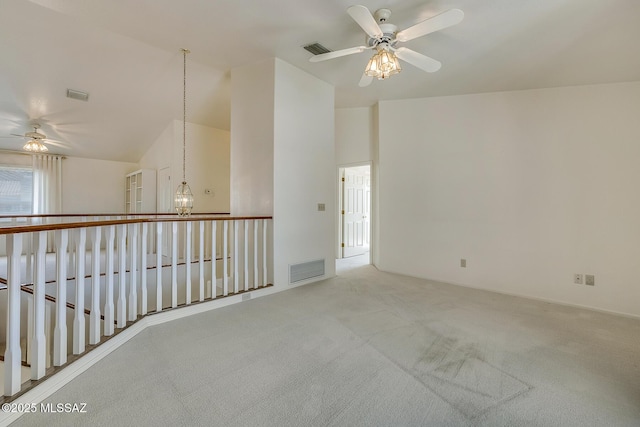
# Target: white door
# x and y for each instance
(356, 193)
(164, 192)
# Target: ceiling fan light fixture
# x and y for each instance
(383, 64)
(35, 146)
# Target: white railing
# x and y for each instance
(98, 274)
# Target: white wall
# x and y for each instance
(283, 160)
(158, 156)
(207, 161)
(354, 135)
(93, 186)
(304, 171)
(252, 112)
(530, 187)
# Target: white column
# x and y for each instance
(121, 305)
(174, 264)
(236, 277)
(214, 261)
(13, 354)
(109, 317)
(94, 317)
(60, 330)
(255, 254)
(143, 269)
(38, 344)
(78, 315)
(264, 252)
(201, 259)
(133, 272)
(187, 263)
(159, 267)
(225, 256)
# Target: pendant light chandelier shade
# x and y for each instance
(383, 64)
(35, 146)
(183, 200)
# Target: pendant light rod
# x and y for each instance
(184, 115)
(184, 196)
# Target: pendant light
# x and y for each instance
(184, 196)
(35, 146)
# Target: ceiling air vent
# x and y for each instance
(316, 48)
(76, 94)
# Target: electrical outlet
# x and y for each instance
(590, 280)
(321, 207)
(463, 263)
(577, 279)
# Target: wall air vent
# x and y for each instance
(76, 94)
(306, 270)
(316, 48)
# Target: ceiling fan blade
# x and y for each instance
(15, 134)
(367, 22)
(435, 23)
(55, 143)
(337, 54)
(365, 80)
(419, 60)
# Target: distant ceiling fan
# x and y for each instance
(36, 139)
(384, 37)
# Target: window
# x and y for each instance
(16, 188)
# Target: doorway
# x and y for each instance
(354, 210)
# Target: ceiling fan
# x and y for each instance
(36, 140)
(384, 37)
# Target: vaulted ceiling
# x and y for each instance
(126, 55)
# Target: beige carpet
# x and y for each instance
(366, 349)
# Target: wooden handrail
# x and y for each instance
(11, 229)
(71, 215)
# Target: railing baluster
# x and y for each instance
(78, 318)
(109, 318)
(225, 256)
(52, 347)
(12, 354)
(121, 306)
(143, 269)
(236, 224)
(29, 254)
(159, 266)
(264, 252)
(60, 330)
(94, 317)
(133, 272)
(187, 263)
(38, 345)
(255, 254)
(214, 261)
(246, 255)
(201, 259)
(174, 264)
